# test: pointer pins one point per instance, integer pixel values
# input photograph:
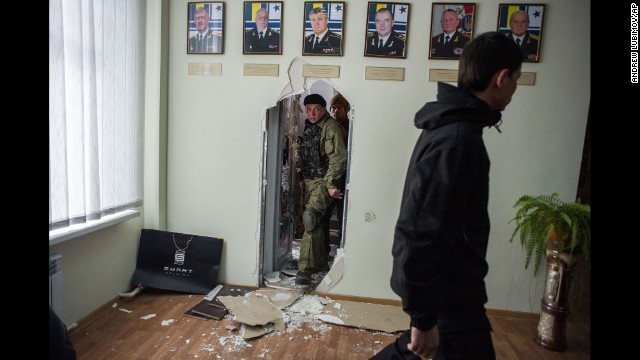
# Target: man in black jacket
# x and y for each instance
(450, 42)
(528, 42)
(384, 41)
(261, 39)
(442, 232)
(206, 40)
(322, 41)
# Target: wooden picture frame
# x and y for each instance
(205, 27)
(324, 21)
(387, 30)
(527, 22)
(262, 29)
(452, 27)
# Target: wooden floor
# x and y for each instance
(111, 333)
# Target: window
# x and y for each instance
(96, 108)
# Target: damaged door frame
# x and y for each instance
(269, 214)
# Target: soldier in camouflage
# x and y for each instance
(324, 159)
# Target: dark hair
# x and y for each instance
(485, 55)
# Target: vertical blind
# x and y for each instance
(96, 108)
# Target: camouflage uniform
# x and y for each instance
(324, 160)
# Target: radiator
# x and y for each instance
(55, 284)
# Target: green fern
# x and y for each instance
(538, 217)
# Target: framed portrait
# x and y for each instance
(523, 24)
(205, 28)
(323, 28)
(387, 30)
(452, 27)
(262, 28)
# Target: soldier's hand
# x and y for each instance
(335, 193)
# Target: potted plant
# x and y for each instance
(543, 218)
(549, 226)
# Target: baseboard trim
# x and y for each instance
(511, 313)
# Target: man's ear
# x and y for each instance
(500, 77)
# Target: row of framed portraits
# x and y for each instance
(387, 28)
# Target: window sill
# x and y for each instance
(60, 235)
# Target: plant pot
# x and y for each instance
(552, 331)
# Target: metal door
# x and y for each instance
(279, 216)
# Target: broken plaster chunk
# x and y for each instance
(272, 277)
(290, 272)
(250, 332)
(165, 322)
(325, 300)
(147, 317)
(330, 319)
(337, 305)
(114, 305)
(125, 310)
(252, 309)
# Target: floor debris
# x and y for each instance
(369, 316)
(251, 309)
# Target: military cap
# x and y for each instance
(315, 99)
(339, 99)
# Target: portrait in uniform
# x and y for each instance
(205, 28)
(263, 28)
(451, 30)
(387, 29)
(323, 28)
(522, 23)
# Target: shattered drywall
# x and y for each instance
(365, 315)
(252, 309)
(334, 275)
(266, 310)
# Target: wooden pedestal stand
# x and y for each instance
(552, 328)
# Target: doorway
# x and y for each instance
(281, 199)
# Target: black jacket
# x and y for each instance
(529, 46)
(270, 42)
(451, 49)
(441, 236)
(330, 44)
(394, 47)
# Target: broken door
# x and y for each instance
(279, 192)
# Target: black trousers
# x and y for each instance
(472, 344)
(60, 347)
